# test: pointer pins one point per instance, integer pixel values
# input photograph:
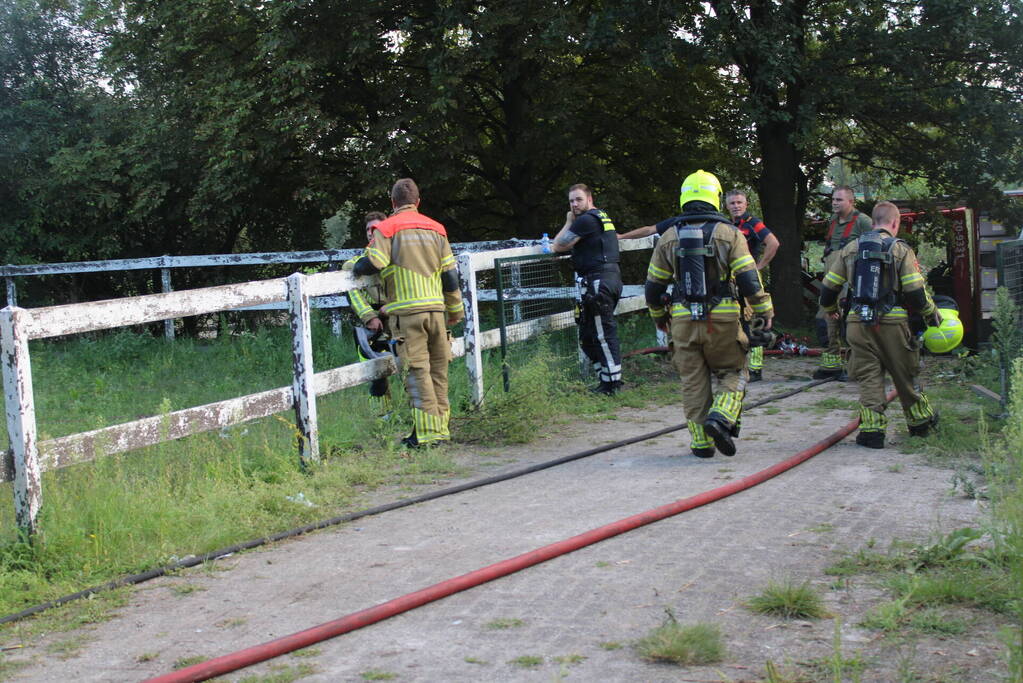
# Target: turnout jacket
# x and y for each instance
(734, 263)
(902, 276)
(365, 301)
(414, 258)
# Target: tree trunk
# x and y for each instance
(779, 178)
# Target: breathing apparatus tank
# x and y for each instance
(870, 293)
(692, 256)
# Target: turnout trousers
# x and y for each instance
(598, 328)
(891, 348)
(424, 348)
(702, 349)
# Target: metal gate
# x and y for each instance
(530, 287)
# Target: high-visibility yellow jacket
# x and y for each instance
(411, 251)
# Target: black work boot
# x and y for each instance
(828, 373)
(411, 441)
(924, 428)
(870, 439)
(756, 375)
(721, 435)
(607, 388)
(704, 452)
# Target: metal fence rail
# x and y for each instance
(1010, 272)
(28, 458)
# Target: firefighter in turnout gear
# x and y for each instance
(412, 255)
(590, 235)
(705, 260)
(846, 225)
(371, 338)
(763, 245)
(885, 286)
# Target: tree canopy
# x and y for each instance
(143, 127)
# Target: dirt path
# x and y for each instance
(572, 611)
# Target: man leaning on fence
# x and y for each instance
(412, 254)
(590, 235)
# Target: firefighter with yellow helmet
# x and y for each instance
(885, 286)
(707, 264)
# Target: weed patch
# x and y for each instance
(684, 645)
(183, 662)
(502, 624)
(789, 600)
(527, 661)
(281, 673)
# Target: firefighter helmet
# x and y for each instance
(946, 336)
(701, 187)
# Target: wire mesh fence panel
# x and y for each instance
(530, 288)
(1010, 272)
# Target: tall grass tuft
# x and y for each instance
(789, 600)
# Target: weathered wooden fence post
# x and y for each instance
(473, 351)
(166, 287)
(302, 357)
(12, 292)
(21, 417)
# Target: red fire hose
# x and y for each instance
(296, 641)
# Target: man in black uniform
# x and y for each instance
(590, 235)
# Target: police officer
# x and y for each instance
(414, 258)
(590, 235)
(706, 260)
(845, 226)
(885, 285)
(763, 245)
(371, 340)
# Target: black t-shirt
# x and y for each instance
(666, 224)
(598, 242)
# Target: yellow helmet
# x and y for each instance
(701, 187)
(947, 335)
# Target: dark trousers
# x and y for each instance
(598, 328)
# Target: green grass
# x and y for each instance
(377, 675)
(686, 645)
(938, 622)
(504, 624)
(789, 600)
(527, 661)
(281, 673)
(131, 512)
(184, 662)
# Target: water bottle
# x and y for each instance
(545, 243)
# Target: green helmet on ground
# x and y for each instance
(946, 336)
(700, 187)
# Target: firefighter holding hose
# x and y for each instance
(707, 262)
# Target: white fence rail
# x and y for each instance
(27, 459)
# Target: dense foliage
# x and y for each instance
(136, 127)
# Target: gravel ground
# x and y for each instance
(574, 617)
